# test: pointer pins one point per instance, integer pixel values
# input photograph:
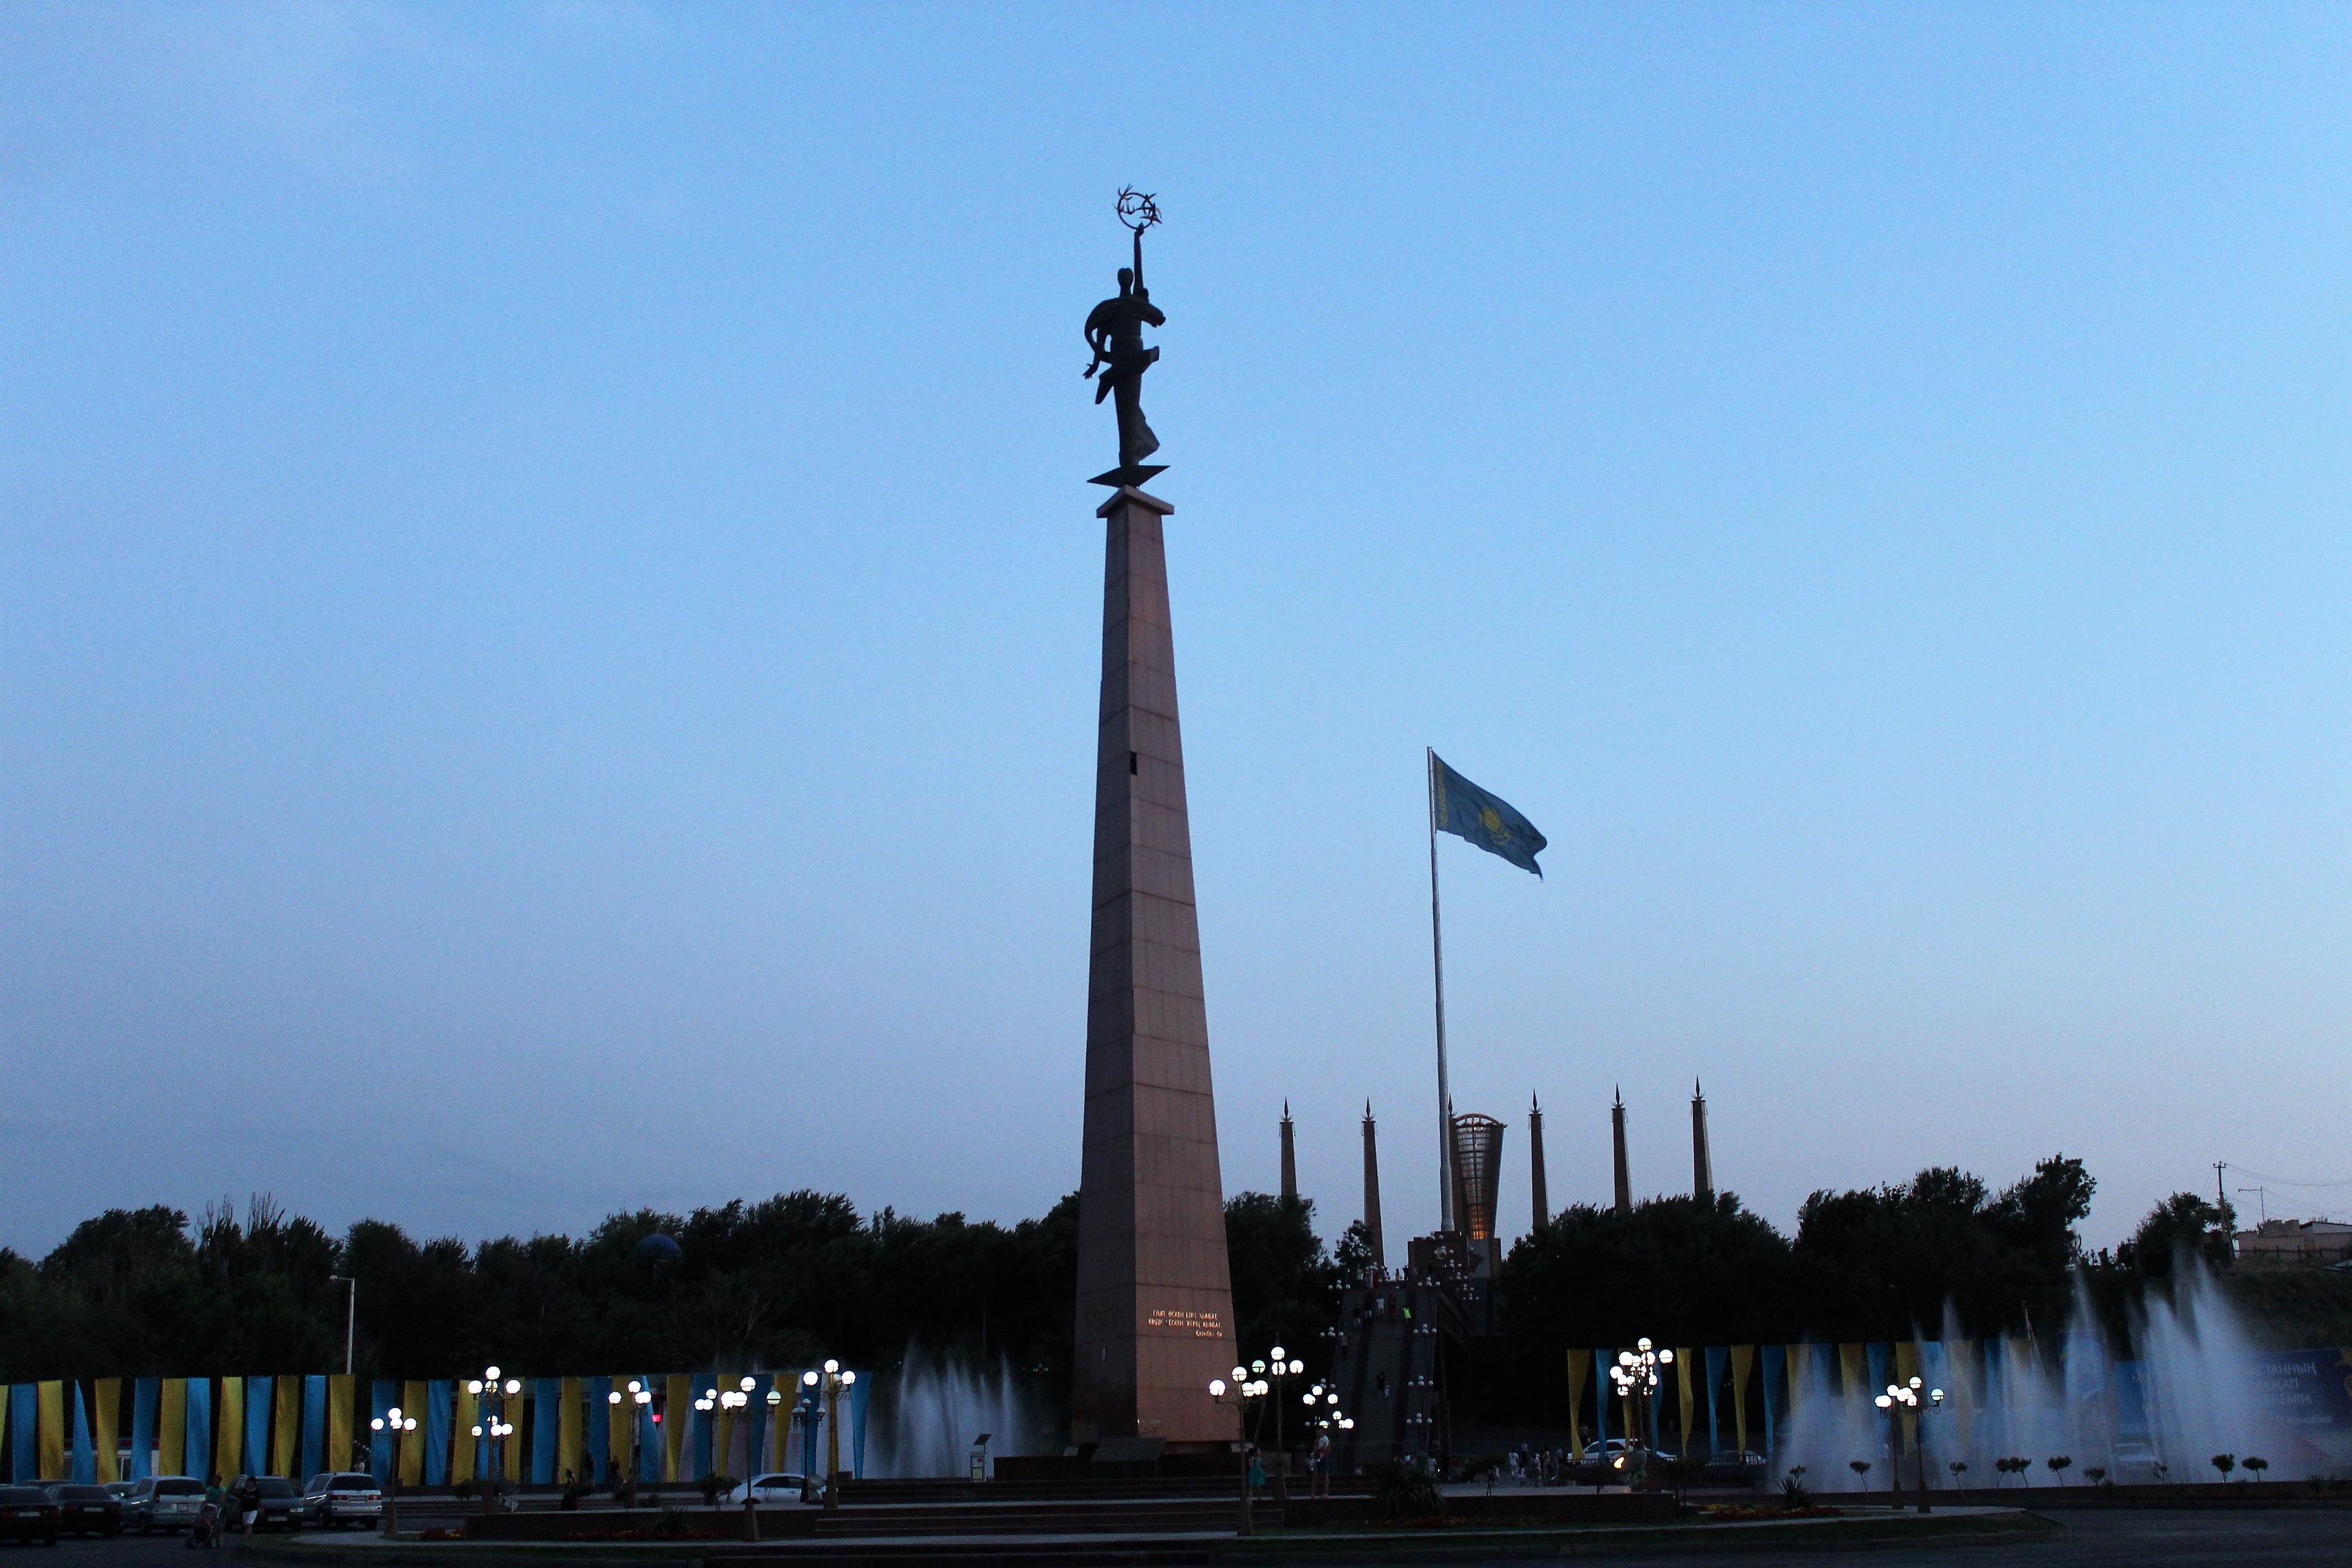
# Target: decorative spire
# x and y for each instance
(1289, 1159)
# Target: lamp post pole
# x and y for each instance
(638, 1398)
(399, 1426)
(837, 1382)
(1911, 1397)
(493, 1430)
(1238, 1394)
(1637, 1379)
(808, 1412)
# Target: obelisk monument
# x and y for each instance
(1155, 1315)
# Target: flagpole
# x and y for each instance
(1437, 963)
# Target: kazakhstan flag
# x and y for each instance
(1462, 809)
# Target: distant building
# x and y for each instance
(2294, 1244)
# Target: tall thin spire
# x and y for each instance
(1372, 1191)
(1289, 1159)
(1702, 1162)
(1617, 1136)
(1542, 1205)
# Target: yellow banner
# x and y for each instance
(49, 1446)
(620, 1418)
(412, 1447)
(461, 1437)
(1797, 1358)
(1906, 1367)
(228, 1421)
(339, 1454)
(1743, 1365)
(1853, 1372)
(1682, 1386)
(570, 1434)
(285, 1426)
(172, 1428)
(105, 1422)
(680, 1406)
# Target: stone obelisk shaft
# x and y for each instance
(1617, 1142)
(1372, 1191)
(1155, 1298)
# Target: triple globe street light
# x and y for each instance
(1908, 1397)
(492, 1396)
(400, 1427)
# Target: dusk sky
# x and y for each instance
(550, 605)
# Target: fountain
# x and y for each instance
(2197, 1386)
(936, 1407)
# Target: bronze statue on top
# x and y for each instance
(1114, 333)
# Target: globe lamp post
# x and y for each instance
(1637, 1379)
(639, 1397)
(399, 1426)
(837, 1382)
(1238, 1393)
(491, 1396)
(1911, 1397)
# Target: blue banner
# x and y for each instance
(440, 1395)
(599, 1431)
(83, 1461)
(24, 1432)
(257, 1391)
(382, 1395)
(546, 1425)
(314, 1424)
(199, 1455)
(146, 1399)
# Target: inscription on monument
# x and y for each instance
(1176, 1320)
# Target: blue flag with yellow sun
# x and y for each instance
(1460, 807)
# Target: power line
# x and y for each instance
(2281, 1181)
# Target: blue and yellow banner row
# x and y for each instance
(567, 1428)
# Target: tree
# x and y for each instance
(2058, 1464)
(1286, 1287)
(2255, 1465)
(2184, 1222)
(2225, 1463)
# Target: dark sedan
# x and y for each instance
(86, 1510)
(281, 1504)
(27, 1514)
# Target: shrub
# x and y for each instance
(1958, 1467)
(1794, 1495)
(712, 1485)
(2095, 1475)
(1402, 1489)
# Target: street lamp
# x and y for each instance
(809, 1414)
(399, 1426)
(1908, 1397)
(1638, 1381)
(836, 1383)
(1239, 1392)
(492, 1396)
(638, 1396)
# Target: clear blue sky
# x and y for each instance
(548, 605)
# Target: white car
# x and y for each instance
(781, 1489)
(162, 1503)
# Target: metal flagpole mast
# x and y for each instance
(1437, 962)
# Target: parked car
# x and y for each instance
(167, 1503)
(120, 1490)
(85, 1510)
(281, 1503)
(782, 1488)
(334, 1498)
(27, 1514)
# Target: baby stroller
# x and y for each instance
(206, 1531)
